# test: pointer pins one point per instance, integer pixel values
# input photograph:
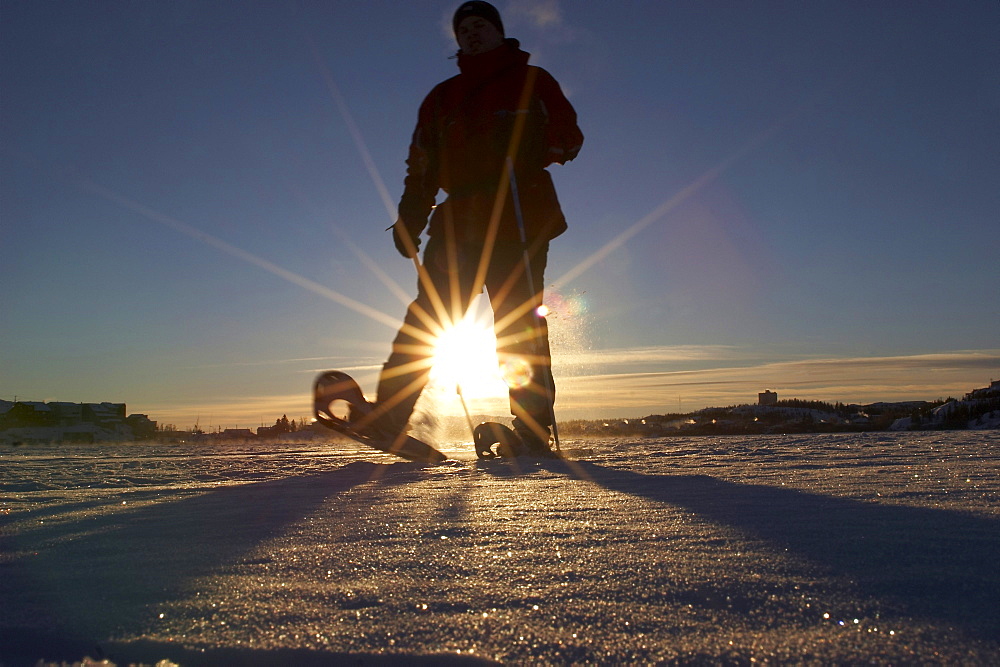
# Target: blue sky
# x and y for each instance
(794, 196)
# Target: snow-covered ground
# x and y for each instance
(818, 548)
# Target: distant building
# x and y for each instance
(142, 426)
(27, 413)
(768, 397)
(988, 392)
(104, 414)
(67, 414)
(237, 433)
(35, 421)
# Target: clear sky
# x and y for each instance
(796, 196)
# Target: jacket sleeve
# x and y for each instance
(421, 185)
(563, 137)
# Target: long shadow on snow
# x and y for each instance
(100, 576)
(935, 563)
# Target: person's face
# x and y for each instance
(477, 35)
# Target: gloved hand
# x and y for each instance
(400, 232)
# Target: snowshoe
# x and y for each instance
(333, 386)
(532, 442)
(336, 387)
(488, 434)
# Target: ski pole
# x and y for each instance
(465, 408)
(548, 381)
(458, 385)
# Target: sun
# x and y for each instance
(465, 356)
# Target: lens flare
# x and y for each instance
(516, 372)
(572, 306)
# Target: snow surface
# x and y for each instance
(878, 548)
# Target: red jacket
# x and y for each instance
(464, 136)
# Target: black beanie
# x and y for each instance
(477, 8)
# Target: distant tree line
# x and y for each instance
(283, 425)
(837, 408)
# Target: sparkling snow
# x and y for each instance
(875, 548)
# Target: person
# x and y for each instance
(485, 137)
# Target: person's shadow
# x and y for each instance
(932, 563)
(71, 583)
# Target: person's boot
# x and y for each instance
(536, 441)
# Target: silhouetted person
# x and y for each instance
(484, 137)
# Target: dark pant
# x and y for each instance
(452, 277)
